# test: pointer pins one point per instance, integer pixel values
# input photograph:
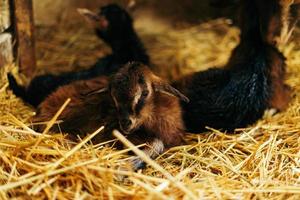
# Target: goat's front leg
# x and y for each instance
(153, 149)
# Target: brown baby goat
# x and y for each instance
(146, 106)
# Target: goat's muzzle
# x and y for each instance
(126, 125)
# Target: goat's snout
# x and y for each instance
(125, 125)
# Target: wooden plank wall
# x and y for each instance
(6, 49)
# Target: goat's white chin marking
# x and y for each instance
(124, 132)
(127, 132)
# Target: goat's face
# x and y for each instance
(117, 18)
(133, 91)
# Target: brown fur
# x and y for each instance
(84, 113)
(160, 115)
(158, 122)
(281, 93)
(164, 119)
(277, 23)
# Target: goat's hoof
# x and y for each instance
(137, 163)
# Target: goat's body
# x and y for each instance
(252, 81)
(83, 114)
(159, 124)
(236, 97)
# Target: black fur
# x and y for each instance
(237, 95)
(222, 3)
(120, 35)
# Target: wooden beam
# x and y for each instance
(24, 27)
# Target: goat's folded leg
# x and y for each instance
(153, 149)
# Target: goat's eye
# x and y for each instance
(145, 94)
(139, 106)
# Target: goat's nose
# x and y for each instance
(125, 124)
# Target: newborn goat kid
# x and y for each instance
(115, 26)
(146, 108)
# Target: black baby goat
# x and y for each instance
(252, 81)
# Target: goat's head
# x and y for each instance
(111, 20)
(133, 90)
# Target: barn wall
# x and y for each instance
(51, 11)
(48, 12)
(6, 51)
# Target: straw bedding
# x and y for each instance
(258, 162)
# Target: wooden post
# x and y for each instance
(6, 52)
(24, 28)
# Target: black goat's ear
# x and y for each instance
(98, 91)
(163, 87)
(90, 16)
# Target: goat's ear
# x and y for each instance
(164, 87)
(169, 90)
(90, 16)
(98, 91)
